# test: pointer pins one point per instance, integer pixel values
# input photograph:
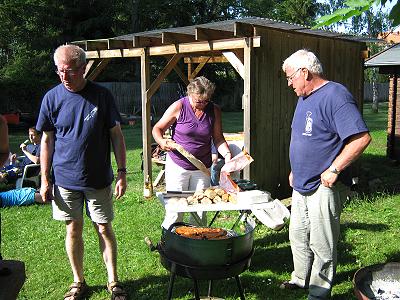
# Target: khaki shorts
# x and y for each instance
(68, 204)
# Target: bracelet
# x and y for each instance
(229, 152)
(121, 170)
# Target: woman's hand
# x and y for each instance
(167, 144)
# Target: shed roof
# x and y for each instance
(223, 29)
(387, 57)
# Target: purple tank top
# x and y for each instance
(193, 134)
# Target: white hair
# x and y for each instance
(69, 54)
(202, 86)
(303, 59)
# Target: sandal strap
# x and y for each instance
(80, 290)
(116, 284)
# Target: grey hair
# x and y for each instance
(303, 59)
(202, 86)
(70, 54)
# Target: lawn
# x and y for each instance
(370, 234)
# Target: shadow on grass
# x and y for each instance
(378, 175)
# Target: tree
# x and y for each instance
(355, 8)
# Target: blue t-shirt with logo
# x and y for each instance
(81, 123)
(321, 124)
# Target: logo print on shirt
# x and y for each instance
(309, 122)
(91, 114)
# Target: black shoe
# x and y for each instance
(287, 285)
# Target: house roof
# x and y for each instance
(387, 57)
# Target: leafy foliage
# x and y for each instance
(356, 8)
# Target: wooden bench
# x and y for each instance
(161, 175)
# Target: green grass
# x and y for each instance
(370, 231)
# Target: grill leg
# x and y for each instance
(210, 283)
(239, 285)
(196, 290)
(171, 285)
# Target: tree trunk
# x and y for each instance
(374, 92)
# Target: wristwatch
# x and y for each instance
(333, 169)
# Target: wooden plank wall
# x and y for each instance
(273, 102)
(393, 138)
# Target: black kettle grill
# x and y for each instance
(205, 259)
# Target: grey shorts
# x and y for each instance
(68, 204)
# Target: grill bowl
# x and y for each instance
(192, 252)
(366, 279)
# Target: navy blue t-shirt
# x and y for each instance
(32, 149)
(321, 124)
(81, 123)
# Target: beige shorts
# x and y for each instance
(68, 204)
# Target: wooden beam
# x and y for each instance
(146, 41)
(200, 59)
(81, 44)
(146, 128)
(97, 45)
(189, 70)
(98, 69)
(118, 44)
(89, 65)
(181, 75)
(207, 34)
(248, 57)
(164, 73)
(235, 62)
(239, 54)
(176, 38)
(198, 69)
(243, 29)
(218, 45)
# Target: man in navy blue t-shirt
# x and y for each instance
(328, 134)
(80, 123)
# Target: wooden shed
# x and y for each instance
(388, 62)
(255, 48)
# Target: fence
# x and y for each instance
(383, 92)
(128, 96)
(129, 99)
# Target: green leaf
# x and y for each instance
(357, 3)
(395, 14)
(352, 13)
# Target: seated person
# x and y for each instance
(20, 197)
(32, 156)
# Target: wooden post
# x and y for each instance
(146, 106)
(246, 99)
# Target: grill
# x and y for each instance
(205, 259)
(379, 282)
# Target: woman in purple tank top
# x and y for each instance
(195, 122)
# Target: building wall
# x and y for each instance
(273, 102)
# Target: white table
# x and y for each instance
(241, 205)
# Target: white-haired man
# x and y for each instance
(328, 134)
(80, 122)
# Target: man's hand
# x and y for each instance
(120, 186)
(46, 191)
(328, 178)
(291, 179)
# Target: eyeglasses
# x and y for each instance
(197, 100)
(71, 72)
(290, 77)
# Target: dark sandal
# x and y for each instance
(77, 291)
(287, 285)
(117, 291)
